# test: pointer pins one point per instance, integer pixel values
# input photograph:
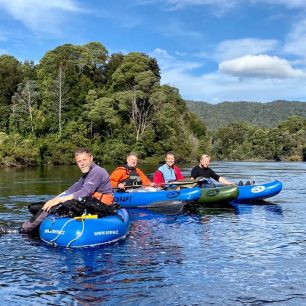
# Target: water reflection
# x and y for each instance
(246, 253)
(221, 208)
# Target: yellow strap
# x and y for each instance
(88, 216)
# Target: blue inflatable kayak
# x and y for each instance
(142, 198)
(259, 191)
(85, 231)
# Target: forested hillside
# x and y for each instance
(80, 96)
(259, 114)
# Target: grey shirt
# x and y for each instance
(96, 180)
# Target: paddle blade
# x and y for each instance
(188, 183)
(166, 207)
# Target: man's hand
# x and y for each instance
(51, 203)
(121, 186)
(56, 201)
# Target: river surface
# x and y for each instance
(246, 254)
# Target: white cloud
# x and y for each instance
(261, 66)
(217, 87)
(296, 39)
(40, 16)
(229, 49)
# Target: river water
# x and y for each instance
(245, 254)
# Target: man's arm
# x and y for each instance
(223, 181)
(64, 196)
(178, 173)
(91, 184)
(76, 186)
(55, 201)
(144, 179)
(158, 178)
(115, 177)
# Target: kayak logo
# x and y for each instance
(101, 233)
(123, 199)
(212, 193)
(258, 189)
(54, 231)
(172, 194)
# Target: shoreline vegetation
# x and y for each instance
(81, 96)
(180, 164)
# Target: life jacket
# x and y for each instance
(133, 178)
(105, 198)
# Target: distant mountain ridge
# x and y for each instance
(261, 114)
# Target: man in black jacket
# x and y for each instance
(203, 170)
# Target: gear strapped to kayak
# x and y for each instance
(75, 208)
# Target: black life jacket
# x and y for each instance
(133, 178)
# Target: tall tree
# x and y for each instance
(82, 67)
(23, 103)
(133, 82)
(59, 92)
(88, 106)
(10, 76)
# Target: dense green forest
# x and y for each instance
(257, 113)
(80, 96)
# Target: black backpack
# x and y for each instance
(75, 208)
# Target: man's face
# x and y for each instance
(170, 160)
(84, 161)
(205, 162)
(132, 161)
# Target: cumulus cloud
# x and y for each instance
(229, 49)
(261, 66)
(216, 87)
(40, 16)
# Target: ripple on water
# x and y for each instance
(215, 255)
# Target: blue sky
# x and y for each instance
(211, 50)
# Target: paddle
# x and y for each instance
(189, 183)
(181, 183)
(165, 207)
(161, 207)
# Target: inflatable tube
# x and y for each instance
(140, 198)
(259, 191)
(84, 231)
(218, 194)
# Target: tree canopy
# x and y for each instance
(80, 96)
